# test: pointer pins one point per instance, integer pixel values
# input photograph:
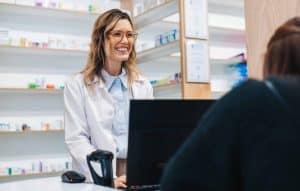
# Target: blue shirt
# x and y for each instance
(117, 87)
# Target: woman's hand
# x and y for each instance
(120, 182)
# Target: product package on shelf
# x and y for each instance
(40, 3)
(167, 37)
(239, 69)
(35, 166)
(45, 40)
(138, 7)
(142, 6)
(91, 6)
(67, 4)
(32, 81)
(229, 74)
(52, 125)
(5, 126)
(23, 124)
(171, 79)
(4, 36)
(54, 4)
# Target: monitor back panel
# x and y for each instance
(157, 128)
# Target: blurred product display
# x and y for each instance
(37, 166)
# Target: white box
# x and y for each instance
(4, 36)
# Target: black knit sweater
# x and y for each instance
(247, 141)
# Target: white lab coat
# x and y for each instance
(88, 118)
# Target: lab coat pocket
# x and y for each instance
(105, 119)
(104, 124)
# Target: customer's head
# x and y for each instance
(113, 40)
(283, 51)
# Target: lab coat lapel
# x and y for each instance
(105, 91)
(137, 89)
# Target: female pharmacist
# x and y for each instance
(97, 99)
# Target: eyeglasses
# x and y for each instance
(118, 35)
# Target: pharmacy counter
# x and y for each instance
(49, 184)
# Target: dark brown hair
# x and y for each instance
(283, 51)
(96, 57)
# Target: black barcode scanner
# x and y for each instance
(104, 159)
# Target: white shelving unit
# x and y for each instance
(156, 14)
(31, 91)
(18, 63)
(159, 52)
(167, 91)
(226, 30)
(229, 7)
(29, 176)
(32, 131)
(38, 19)
(42, 51)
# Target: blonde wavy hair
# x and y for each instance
(96, 57)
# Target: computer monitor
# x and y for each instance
(157, 128)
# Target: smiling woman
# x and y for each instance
(97, 99)
(107, 41)
(119, 45)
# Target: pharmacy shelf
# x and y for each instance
(165, 51)
(42, 51)
(165, 17)
(33, 174)
(163, 86)
(218, 36)
(226, 37)
(156, 14)
(31, 146)
(228, 7)
(172, 91)
(28, 90)
(55, 13)
(159, 52)
(47, 19)
(23, 62)
(33, 131)
(234, 60)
